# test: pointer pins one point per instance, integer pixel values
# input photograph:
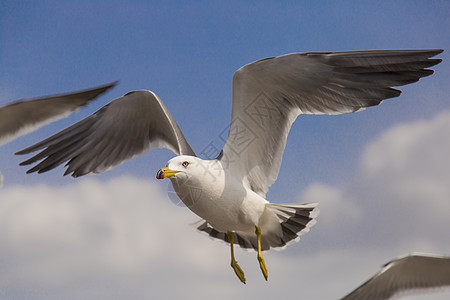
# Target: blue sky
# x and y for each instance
(187, 54)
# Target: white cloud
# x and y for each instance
(407, 173)
(412, 160)
(53, 236)
(410, 147)
(123, 238)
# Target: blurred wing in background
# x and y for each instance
(411, 272)
(24, 116)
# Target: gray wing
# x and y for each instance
(416, 271)
(24, 116)
(269, 94)
(126, 127)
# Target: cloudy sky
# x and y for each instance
(381, 176)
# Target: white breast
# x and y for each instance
(218, 197)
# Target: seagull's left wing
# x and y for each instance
(269, 94)
(24, 116)
(416, 271)
(126, 127)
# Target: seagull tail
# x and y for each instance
(281, 224)
(292, 220)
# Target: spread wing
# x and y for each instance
(269, 94)
(126, 127)
(24, 116)
(403, 274)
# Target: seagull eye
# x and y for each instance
(185, 164)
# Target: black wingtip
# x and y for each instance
(110, 84)
(106, 85)
(30, 171)
(27, 162)
(21, 152)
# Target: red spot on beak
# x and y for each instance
(160, 174)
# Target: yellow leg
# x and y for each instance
(262, 264)
(234, 264)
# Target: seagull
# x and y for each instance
(23, 116)
(229, 191)
(413, 271)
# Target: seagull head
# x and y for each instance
(179, 167)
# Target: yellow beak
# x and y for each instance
(165, 172)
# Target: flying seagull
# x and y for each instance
(406, 273)
(228, 192)
(23, 116)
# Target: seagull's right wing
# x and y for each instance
(24, 116)
(415, 271)
(126, 127)
(270, 93)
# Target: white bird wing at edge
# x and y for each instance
(415, 271)
(24, 116)
(126, 127)
(269, 94)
